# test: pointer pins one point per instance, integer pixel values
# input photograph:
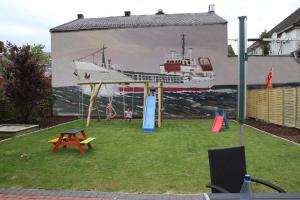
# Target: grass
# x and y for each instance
(172, 160)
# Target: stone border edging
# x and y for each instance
(114, 195)
(275, 136)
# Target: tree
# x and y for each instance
(24, 80)
(42, 57)
(1, 46)
(265, 45)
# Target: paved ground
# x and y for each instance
(33, 194)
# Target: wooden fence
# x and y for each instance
(279, 105)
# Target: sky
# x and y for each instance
(29, 21)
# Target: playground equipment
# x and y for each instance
(96, 86)
(149, 115)
(110, 95)
(149, 109)
(219, 121)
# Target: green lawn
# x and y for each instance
(172, 160)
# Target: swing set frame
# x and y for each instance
(96, 86)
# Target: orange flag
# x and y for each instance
(269, 80)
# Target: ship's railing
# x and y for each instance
(109, 66)
(155, 77)
(174, 56)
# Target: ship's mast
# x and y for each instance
(183, 45)
(103, 56)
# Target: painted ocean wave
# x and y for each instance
(176, 104)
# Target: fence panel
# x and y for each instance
(298, 108)
(262, 105)
(276, 106)
(289, 107)
(251, 103)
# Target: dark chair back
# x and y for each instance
(227, 168)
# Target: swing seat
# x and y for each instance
(120, 117)
(117, 117)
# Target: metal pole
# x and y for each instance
(79, 103)
(183, 46)
(241, 139)
(82, 111)
(242, 76)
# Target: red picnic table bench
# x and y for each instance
(70, 138)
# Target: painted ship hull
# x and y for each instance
(170, 87)
(171, 83)
(165, 89)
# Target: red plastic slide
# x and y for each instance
(218, 123)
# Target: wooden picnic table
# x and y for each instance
(71, 138)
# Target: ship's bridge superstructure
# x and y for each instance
(178, 64)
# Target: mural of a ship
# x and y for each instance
(179, 73)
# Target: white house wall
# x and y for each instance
(143, 49)
(285, 48)
(285, 69)
(297, 30)
(289, 46)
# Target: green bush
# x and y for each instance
(7, 109)
(45, 107)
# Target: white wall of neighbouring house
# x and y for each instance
(298, 38)
(257, 51)
(286, 47)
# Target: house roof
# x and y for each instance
(289, 22)
(230, 50)
(140, 21)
